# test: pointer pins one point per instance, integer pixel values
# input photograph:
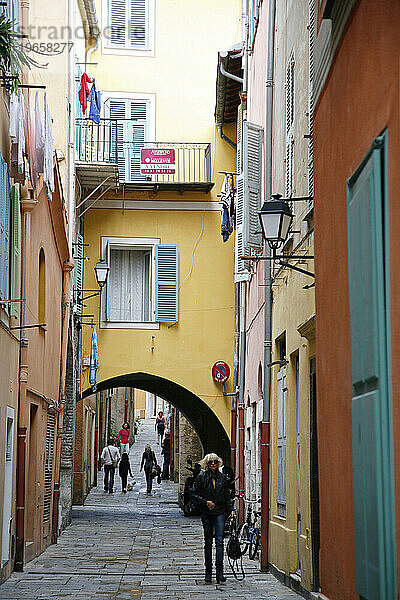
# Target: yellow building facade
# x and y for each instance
(164, 90)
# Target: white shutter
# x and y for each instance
(310, 165)
(129, 134)
(117, 112)
(241, 266)
(117, 22)
(253, 145)
(138, 23)
(239, 140)
(281, 439)
(289, 170)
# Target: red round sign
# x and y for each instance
(220, 371)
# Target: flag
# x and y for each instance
(94, 360)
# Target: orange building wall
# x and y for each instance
(360, 100)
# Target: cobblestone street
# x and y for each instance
(125, 547)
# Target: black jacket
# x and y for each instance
(148, 460)
(204, 490)
(124, 468)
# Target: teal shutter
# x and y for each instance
(14, 251)
(373, 496)
(79, 272)
(108, 284)
(166, 283)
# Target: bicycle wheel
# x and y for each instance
(254, 544)
(243, 538)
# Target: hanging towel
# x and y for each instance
(84, 91)
(94, 360)
(21, 135)
(14, 108)
(39, 137)
(31, 141)
(95, 103)
(48, 173)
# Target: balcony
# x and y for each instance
(111, 152)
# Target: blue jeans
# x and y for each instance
(213, 523)
(109, 472)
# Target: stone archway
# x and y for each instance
(208, 427)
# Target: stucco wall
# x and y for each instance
(352, 110)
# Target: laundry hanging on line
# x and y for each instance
(84, 91)
(95, 103)
(227, 202)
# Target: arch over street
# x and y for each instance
(208, 427)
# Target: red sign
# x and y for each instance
(157, 161)
(220, 371)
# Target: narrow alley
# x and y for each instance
(124, 547)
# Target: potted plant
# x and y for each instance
(12, 55)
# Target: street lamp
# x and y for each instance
(101, 269)
(276, 219)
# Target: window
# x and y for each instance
(129, 132)
(142, 285)
(130, 294)
(130, 24)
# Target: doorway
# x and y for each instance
(315, 536)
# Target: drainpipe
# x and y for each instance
(266, 422)
(223, 136)
(27, 205)
(241, 426)
(235, 379)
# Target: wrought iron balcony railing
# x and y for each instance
(120, 141)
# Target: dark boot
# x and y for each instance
(207, 577)
(221, 578)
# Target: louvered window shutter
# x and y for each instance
(138, 22)
(289, 169)
(241, 266)
(79, 272)
(253, 144)
(310, 165)
(14, 254)
(108, 284)
(4, 229)
(118, 22)
(239, 140)
(281, 441)
(166, 283)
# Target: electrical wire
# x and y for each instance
(194, 249)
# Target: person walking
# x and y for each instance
(124, 469)
(123, 438)
(148, 462)
(110, 457)
(166, 452)
(211, 491)
(160, 427)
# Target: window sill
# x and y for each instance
(128, 325)
(126, 51)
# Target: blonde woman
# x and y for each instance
(211, 490)
(148, 461)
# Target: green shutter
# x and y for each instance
(373, 496)
(14, 251)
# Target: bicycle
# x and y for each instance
(249, 534)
